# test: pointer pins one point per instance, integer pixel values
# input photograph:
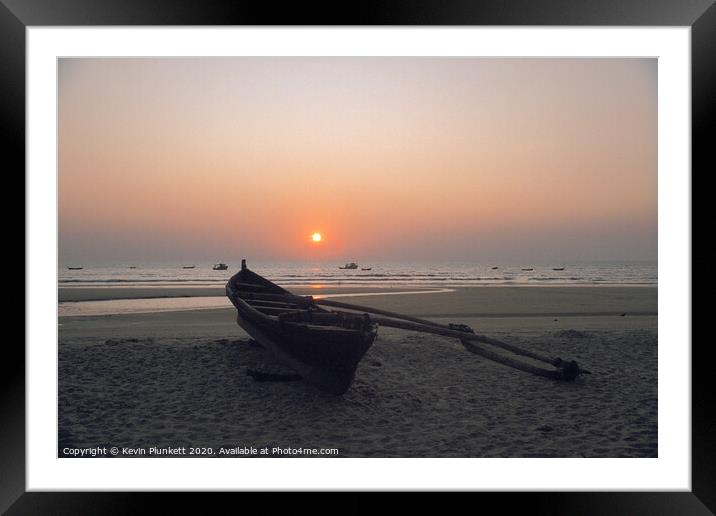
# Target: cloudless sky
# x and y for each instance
(449, 159)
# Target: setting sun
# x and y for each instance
(316, 237)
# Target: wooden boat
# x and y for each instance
(323, 347)
(220, 267)
(351, 266)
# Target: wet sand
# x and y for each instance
(66, 294)
(179, 379)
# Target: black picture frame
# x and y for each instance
(700, 15)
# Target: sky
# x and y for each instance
(414, 159)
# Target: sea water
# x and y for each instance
(402, 278)
(380, 274)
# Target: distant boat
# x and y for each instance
(75, 268)
(495, 268)
(131, 267)
(366, 268)
(220, 267)
(557, 268)
(189, 267)
(528, 269)
(351, 265)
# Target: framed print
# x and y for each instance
(419, 250)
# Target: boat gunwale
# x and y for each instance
(275, 320)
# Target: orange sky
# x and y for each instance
(389, 158)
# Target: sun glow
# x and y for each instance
(316, 237)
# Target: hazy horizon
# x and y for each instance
(235, 262)
(393, 159)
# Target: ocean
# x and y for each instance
(380, 274)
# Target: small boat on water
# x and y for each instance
(557, 268)
(131, 267)
(527, 269)
(324, 346)
(220, 267)
(351, 266)
(366, 268)
(495, 268)
(75, 268)
(189, 267)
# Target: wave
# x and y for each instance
(387, 275)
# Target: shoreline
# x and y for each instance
(102, 293)
(74, 294)
(90, 308)
(463, 302)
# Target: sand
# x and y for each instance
(104, 293)
(178, 379)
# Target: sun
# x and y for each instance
(316, 237)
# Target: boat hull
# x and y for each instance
(325, 360)
(325, 355)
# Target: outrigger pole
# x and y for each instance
(564, 370)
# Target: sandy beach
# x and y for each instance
(178, 379)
